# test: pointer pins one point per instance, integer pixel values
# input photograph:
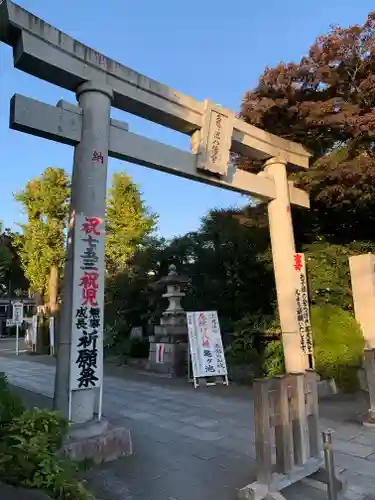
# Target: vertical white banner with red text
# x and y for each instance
(86, 360)
(303, 305)
(206, 345)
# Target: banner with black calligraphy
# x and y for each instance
(86, 365)
(205, 344)
(302, 301)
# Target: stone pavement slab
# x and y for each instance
(10, 493)
(197, 444)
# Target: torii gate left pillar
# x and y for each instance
(85, 270)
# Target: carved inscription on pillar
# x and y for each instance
(215, 138)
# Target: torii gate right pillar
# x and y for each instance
(283, 250)
(362, 271)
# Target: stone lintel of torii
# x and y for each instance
(63, 123)
(99, 83)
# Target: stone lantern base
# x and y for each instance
(174, 362)
(169, 351)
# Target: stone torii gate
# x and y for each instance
(99, 83)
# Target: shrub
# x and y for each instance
(10, 405)
(338, 345)
(248, 340)
(273, 359)
(115, 333)
(338, 348)
(241, 351)
(139, 348)
(44, 424)
(28, 450)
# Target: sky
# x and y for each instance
(212, 49)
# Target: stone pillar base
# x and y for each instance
(174, 359)
(316, 482)
(369, 421)
(97, 441)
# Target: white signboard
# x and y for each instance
(88, 297)
(52, 334)
(205, 343)
(10, 322)
(17, 312)
(303, 306)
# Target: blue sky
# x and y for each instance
(211, 49)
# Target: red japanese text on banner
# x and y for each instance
(86, 364)
(205, 343)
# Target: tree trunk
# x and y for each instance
(53, 290)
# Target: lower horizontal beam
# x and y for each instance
(62, 123)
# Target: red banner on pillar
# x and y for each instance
(86, 370)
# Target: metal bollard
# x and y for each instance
(329, 465)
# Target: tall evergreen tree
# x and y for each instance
(129, 222)
(6, 257)
(41, 248)
(45, 201)
(12, 275)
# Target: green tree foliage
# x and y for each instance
(338, 345)
(328, 271)
(229, 271)
(45, 203)
(6, 257)
(131, 297)
(11, 269)
(129, 222)
(30, 455)
(226, 262)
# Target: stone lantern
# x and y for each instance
(169, 343)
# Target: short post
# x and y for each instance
(313, 417)
(329, 465)
(283, 429)
(286, 421)
(370, 375)
(300, 422)
(17, 338)
(52, 336)
(262, 432)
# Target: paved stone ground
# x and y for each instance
(10, 493)
(195, 444)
